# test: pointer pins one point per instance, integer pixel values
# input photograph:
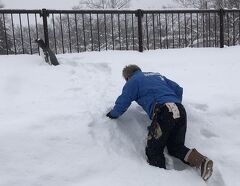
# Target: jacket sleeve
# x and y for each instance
(129, 94)
(175, 87)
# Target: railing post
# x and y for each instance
(221, 15)
(139, 15)
(44, 14)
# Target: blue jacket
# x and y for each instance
(147, 88)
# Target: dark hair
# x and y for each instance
(129, 70)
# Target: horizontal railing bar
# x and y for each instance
(180, 11)
(113, 11)
(109, 11)
(21, 11)
(231, 10)
(93, 11)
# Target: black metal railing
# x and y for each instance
(77, 31)
(67, 31)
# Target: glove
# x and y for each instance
(110, 116)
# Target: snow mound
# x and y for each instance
(53, 129)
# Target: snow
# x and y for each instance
(53, 129)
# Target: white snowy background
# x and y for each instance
(68, 4)
(53, 129)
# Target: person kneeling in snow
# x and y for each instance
(161, 98)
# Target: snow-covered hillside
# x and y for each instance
(53, 129)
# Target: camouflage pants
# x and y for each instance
(166, 131)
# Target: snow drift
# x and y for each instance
(53, 129)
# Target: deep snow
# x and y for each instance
(53, 129)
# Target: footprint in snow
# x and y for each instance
(208, 134)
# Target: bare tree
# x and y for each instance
(199, 4)
(206, 4)
(103, 4)
(229, 4)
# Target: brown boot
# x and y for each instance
(195, 159)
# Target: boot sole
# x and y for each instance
(207, 169)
